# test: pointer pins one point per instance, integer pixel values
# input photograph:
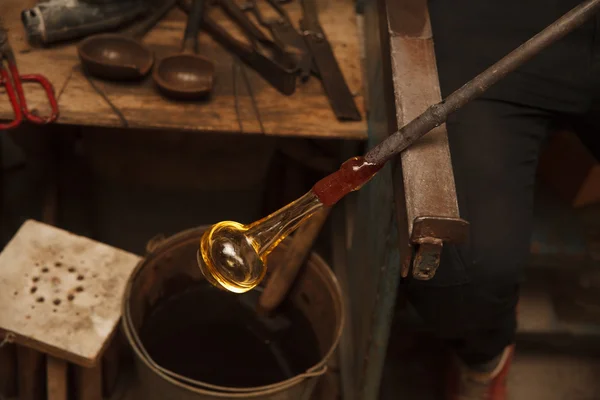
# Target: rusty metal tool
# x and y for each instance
(279, 283)
(285, 36)
(279, 76)
(237, 14)
(12, 81)
(336, 88)
(437, 114)
(257, 37)
(58, 20)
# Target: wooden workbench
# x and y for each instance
(306, 113)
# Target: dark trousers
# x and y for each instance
(495, 142)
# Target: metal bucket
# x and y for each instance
(170, 269)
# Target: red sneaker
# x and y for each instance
(465, 383)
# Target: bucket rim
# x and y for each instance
(159, 246)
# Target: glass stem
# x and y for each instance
(268, 232)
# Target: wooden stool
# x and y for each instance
(60, 302)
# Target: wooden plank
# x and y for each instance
(8, 369)
(111, 365)
(374, 257)
(31, 370)
(56, 375)
(306, 113)
(89, 383)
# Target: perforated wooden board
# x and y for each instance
(61, 293)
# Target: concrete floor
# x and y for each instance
(552, 361)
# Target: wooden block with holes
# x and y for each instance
(60, 296)
(571, 170)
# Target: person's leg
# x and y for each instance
(471, 301)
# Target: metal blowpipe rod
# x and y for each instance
(438, 113)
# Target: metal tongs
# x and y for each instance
(279, 73)
(334, 84)
(13, 82)
(285, 36)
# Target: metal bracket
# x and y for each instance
(428, 237)
(427, 259)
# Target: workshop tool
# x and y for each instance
(122, 56)
(274, 48)
(279, 76)
(187, 75)
(59, 20)
(12, 81)
(281, 280)
(243, 266)
(334, 84)
(285, 36)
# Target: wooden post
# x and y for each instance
(110, 365)
(56, 374)
(89, 383)
(8, 370)
(31, 369)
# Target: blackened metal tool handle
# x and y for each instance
(192, 28)
(335, 86)
(156, 15)
(310, 14)
(438, 113)
(246, 24)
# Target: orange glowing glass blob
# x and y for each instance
(233, 256)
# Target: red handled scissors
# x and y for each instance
(12, 81)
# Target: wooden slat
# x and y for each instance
(89, 383)
(31, 370)
(56, 376)
(111, 365)
(8, 370)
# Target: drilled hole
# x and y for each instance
(71, 297)
(40, 299)
(79, 289)
(33, 289)
(15, 293)
(77, 314)
(45, 269)
(36, 278)
(58, 264)
(56, 302)
(80, 277)
(54, 310)
(71, 269)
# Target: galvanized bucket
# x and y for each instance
(171, 266)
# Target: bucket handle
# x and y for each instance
(130, 331)
(155, 243)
